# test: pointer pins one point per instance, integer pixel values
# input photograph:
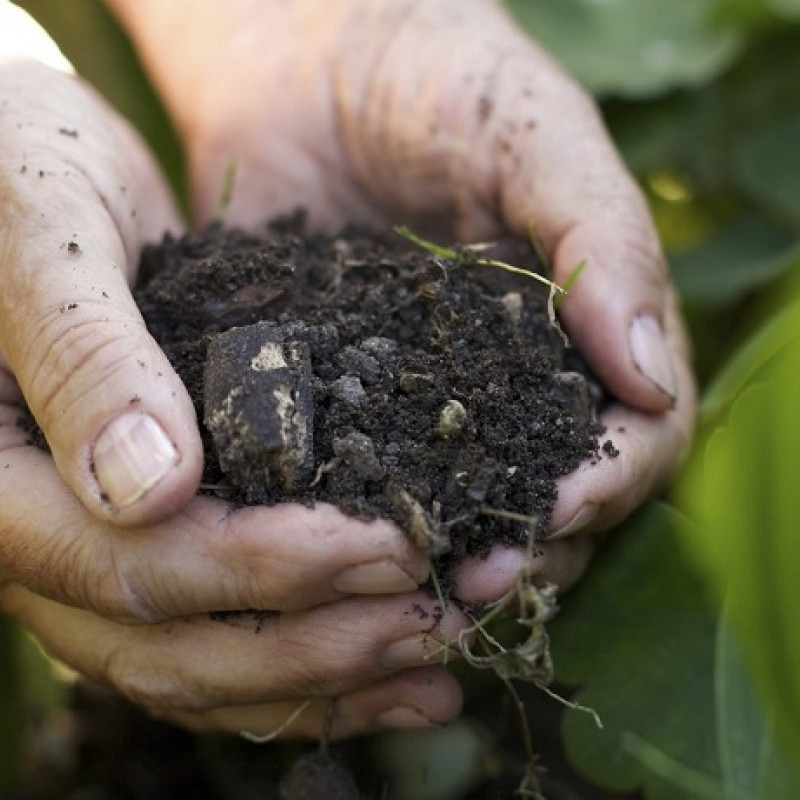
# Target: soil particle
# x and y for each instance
(359, 370)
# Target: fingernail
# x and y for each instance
(585, 515)
(378, 577)
(404, 717)
(650, 355)
(131, 455)
(414, 651)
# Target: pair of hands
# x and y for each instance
(440, 114)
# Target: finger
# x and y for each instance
(206, 558)
(561, 562)
(563, 178)
(79, 197)
(425, 697)
(602, 492)
(200, 663)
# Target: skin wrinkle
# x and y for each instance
(54, 388)
(130, 592)
(451, 166)
(360, 99)
(138, 579)
(46, 564)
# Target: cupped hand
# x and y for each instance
(106, 553)
(446, 116)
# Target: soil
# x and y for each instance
(360, 370)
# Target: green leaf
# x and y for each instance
(754, 766)
(769, 167)
(635, 48)
(743, 488)
(750, 360)
(637, 635)
(742, 256)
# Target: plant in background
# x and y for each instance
(685, 636)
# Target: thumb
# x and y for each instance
(78, 196)
(620, 309)
(586, 208)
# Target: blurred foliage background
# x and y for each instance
(685, 637)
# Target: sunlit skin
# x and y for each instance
(426, 112)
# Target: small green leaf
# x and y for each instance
(569, 282)
(467, 258)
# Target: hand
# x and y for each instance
(105, 551)
(443, 115)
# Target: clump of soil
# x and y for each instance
(360, 370)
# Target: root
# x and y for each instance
(291, 719)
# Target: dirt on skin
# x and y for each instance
(360, 370)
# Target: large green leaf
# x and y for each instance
(681, 718)
(743, 487)
(754, 765)
(750, 360)
(638, 636)
(636, 48)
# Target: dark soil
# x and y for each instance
(360, 370)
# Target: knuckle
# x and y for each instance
(327, 663)
(641, 243)
(147, 685)
(130, 593)
(55, 566)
